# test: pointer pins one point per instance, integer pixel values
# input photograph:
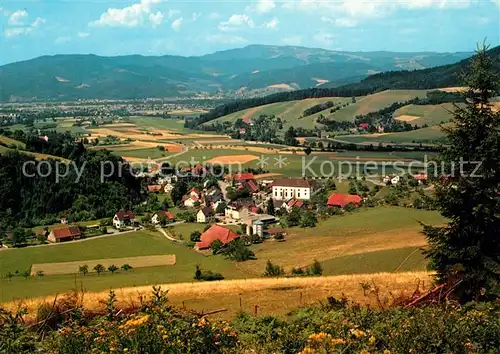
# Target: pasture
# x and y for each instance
(375, 102)
(143, 243)
(426, 114)
(364, 231)
(290, 112)
(432, 134)
(385, 238)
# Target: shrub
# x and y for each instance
(273, 270)
(316, 268)
(195, 236)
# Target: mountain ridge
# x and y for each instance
(254, 67)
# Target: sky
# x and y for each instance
(33, 28)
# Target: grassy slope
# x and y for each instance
(9, 141)
(367, 230)
(4, 150)
(290, 112)
(429, 114)
(425, 135)
(375, 102)
(127, 245)
(382, 237)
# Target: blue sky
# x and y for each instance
(157, 27)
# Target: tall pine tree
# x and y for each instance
(466, 252)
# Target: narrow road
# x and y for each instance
(75, 241)
(167, 235)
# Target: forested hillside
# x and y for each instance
(36, 195)
(443, 76)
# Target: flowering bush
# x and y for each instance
(156, 327)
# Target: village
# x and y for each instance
(255, 207)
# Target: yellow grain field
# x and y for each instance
(269, 296)
(73, 267)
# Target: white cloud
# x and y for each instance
(176, 25)
(235, 22)
(62, 39)
(17, 18)
(83, 34)
(135, 15)
(16, 31)
(226, 39)
(39, 21)
(341, 22)
(214, 16)
(271, 24)
(292, 40)
(195, 16)
(324, 38)
(361, 9)
(156, 19)
(497, 2)
(262, 6)
(24, 30)
(172, 13)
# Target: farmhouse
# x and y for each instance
(341, 200)
(204, 215)
(163, 213)
(287, 188)
(216, 232)
(293, 203)
(123, 218)
(191, 200)
(64, 234)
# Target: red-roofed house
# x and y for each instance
(157, 217)
(123, 218)
(341, 200)
(190, 200)
(64, 234)
(216, 232)
(293, 203)
(252, 186)
(242, 177)
(421, 178)
(364, 126)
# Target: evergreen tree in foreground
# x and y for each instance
(466, 252)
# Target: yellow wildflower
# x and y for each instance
(336, 341)
(358, 333)
(372, 340)
(386, 351)
(364, 352)
(319, 337)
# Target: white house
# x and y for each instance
(123, 218)
(168, 188)
(156, 217)
(204, 215)
(190, 201)
(395, 180)
(236, 212)
(293, 188)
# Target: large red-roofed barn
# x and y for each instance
(341, 200)
(64, 234)
(216, 232)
